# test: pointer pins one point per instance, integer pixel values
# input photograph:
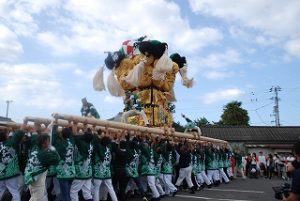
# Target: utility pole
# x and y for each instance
(275, 89)
(7, 107)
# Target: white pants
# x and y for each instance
(229, 172)
(109, 186)
(12, 185)
(129, 113)
(201, 178)
(213, 175)
(56, 187)
(185, 173)
(151, 183)
(84, 185)
(103, 192)
(223, 175)
(158, 183)
(21, 184)
(131, 186)
(169, 185)
(37, 188)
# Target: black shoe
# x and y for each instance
(209, 186)
(174, 193)
(162, 196)
(192, 190)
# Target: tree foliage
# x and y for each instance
(178, 127)
(202, 122)
(234, 114)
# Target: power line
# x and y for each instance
(262, 121)
(262, 107)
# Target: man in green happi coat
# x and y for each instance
(9, 165)
(83, 166)
(102, 167)
(41, 157)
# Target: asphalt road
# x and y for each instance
(237, 190)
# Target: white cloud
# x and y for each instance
(78, 72)
(262, 40)
(222, 95)
(33, 85)
(10, 47)
(216, 75)
(113, 100)
(215, 65)
(274, 21)
(275, 18)
(90, 26)
(21, 15)
(61, 45)
(191, 40)
(220, 60)
(293, 47)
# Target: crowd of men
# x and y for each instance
(93, 164)
(86, 164)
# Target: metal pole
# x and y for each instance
(276, 89)
(7, 107)
(276, 108)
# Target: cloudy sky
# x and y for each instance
(236, 50)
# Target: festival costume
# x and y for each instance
(89, 110)
(120, 178)
(169, 158)
(212, 165)
(185, 165)
(83, 168)
(190, 126)
(39, 161)
(102, 170)
(9, 165)
(222, 160)
(65, 169)
(148, 168)
(202, 177)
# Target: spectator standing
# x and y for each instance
(262, 163)
(270, 166)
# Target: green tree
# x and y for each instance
(202, 122)
(234, 115)
(178, 127)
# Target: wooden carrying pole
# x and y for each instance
(122, 126)
(63, 120)
(12, 125)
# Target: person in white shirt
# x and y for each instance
(262, 164)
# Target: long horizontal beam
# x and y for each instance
(119, 125)
(64, 119)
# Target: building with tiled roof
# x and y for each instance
(256, 138)
(5, 119)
